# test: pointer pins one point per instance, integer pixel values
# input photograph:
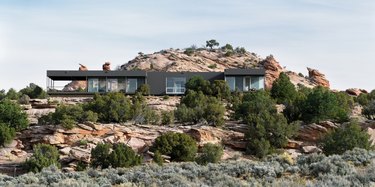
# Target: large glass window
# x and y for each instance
(255, 83)
(261, 82)
(112, 85)
(231, 82)
(121, 85)
(102, 84)
(247, 83)
(131, 85)
(175, 85)
(93, 85)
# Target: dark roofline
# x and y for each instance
(81, 75)
(244, 71)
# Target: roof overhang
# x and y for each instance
(239, 72)
(82, 75)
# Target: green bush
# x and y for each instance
(196, 107)
(283, 91)
(24, 100)
(240, 50)
(212, 66)
(124, 156)
(34, 91)
(180, 147)
(81, 166)
(112, 107)
(6, 134)
(144, 89)
(369, 110)
(211, 153)
(90, 116)
(12, 115)
(346, 138)
(220, 89)
(141, 113)
(268, 130)
(66, 115)
(167, 118)
(67, 122)
(12, 94)
(189, 51)
(158, 159)
(44, 156)
(322, 104)
(100, 156)
(198, 83)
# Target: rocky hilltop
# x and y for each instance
(202, 60)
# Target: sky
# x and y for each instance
(336, 37)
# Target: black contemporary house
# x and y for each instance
(161, 83)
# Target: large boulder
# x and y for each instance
(318, 78)
(355, 91)
(313, 132)
(76, 85)
(273, 70)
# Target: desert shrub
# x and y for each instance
(212, 43)
(198, 83)
(196, 107)
(44, 156)
(212, 66)
(346, 138)
(211, 153)
(141, 113)
(228, 53)
(362, 99)
(90, 116)
(167, 118)
(12, 115)
(360, 157)
(144, 89)
(220, 89)
(267, 129)
(165, 97)
(100, 155)
(124, 156)
(12, 94)
(227, 47)
(369, 110)
(112, 107)
(2, 94)
(283, 91)
(180, 147)
(24, 100)
(81, 166)
(34, 91)
(240, 50)
(189, 51)
(68, 122)
(158, 159)
(6, 134)
(322, 104)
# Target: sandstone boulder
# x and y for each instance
(311, 149)
(355, 91)
(318, 78)
(76, 85)
(313, 132)
(107, 66)
(273, 70)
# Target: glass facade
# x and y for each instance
(131, 85)
(245, 83)
(93, 85)
(175, 85)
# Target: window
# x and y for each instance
(93, 85)
(231, 82)
(112, 85)
(175, 85)
(131, 85)
(102, 84)
(255, 83)
(121, 87)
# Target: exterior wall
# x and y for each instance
(157, 80)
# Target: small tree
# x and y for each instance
(100, 156)
(198, 83)
(34, 91)
(283, 91)
(346, 138)
(167, 117)
(6, 134)
(124, 156)
(220, 89)
(180, 147)
(369, 110)
(144, 89)
(44, 156)
(211, 153)
(12, 94)
(12, 115)
(158, 159)
(212, 43)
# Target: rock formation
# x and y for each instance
(76, 85)
(107, 66)
(273, 70)
(355, 91)
(318, 78)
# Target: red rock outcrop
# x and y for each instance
(355, 91)
(76, 85)
(318, 78)
(107, 66)
(273, 70)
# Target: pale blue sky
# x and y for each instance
(335, 36)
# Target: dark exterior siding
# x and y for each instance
(157, 80)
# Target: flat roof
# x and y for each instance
(81, 75)
(244, 71)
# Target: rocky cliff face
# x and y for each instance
(318, 78)
(76, 85)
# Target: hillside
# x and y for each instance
(202, 59)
